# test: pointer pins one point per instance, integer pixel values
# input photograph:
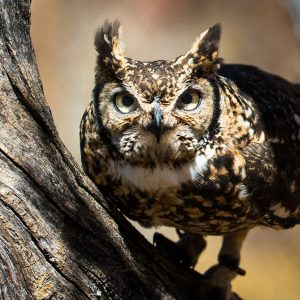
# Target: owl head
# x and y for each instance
(156, 112)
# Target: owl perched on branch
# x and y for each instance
(204, 147)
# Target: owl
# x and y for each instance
(192, 143)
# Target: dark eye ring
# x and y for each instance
(124, 102)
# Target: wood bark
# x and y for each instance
(59, 238)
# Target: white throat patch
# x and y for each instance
(160, 177)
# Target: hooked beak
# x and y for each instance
(156, 126)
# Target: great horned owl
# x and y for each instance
(191, 143)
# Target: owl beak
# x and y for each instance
(156, 126)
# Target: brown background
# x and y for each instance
(260, 33)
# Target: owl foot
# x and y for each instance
(185, 252)
(216, 284)
(232, 264)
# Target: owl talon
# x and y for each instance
(185, 252)
(217, 284)
(169, 249)
(232, 264)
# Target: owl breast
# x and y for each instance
(190, 197)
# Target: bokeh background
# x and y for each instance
(264, 33)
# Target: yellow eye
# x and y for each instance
(125, 103)
(189, 100)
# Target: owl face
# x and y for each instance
(156, 112)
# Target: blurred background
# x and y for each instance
(264, 33)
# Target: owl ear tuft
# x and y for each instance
(203, 58)
(110, 46)
(207, 44)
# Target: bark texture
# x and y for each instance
(59, 238)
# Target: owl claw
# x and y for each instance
(185, 252)
(169, 250)
(232, 264)
(217, 284)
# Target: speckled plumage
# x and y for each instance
(228, 165)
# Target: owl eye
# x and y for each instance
(189, 100)
(125, 103)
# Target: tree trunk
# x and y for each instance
(59, 238)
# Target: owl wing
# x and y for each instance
(273, 166)
(277, 100)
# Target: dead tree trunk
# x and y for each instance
(59, 238)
